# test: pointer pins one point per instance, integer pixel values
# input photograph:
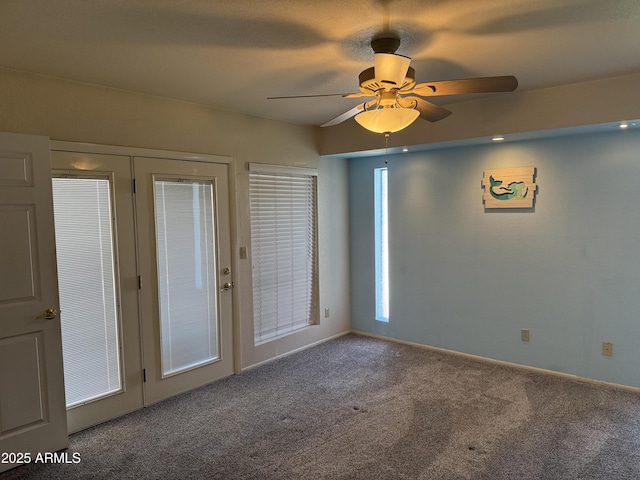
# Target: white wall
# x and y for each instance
(76, 112)
(468, 279)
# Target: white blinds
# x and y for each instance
(284, 250)
(84, 247)
(185, 240)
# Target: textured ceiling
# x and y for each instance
(234, 54)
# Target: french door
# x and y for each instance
(145, 313)
(95, 241)
(185, 274)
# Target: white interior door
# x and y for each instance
(32, 399)
(97, 269)
(182, 214)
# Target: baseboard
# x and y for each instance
(479, 358)
(286, 354)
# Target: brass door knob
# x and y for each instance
(50, 313)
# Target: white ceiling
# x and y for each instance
(233, 54)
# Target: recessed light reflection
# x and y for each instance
(497, 139)
(624, 125)
(405, 149)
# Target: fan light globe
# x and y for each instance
(387, 120)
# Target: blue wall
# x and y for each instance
(468, 279)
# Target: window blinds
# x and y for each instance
(185, 243)
(87, 283)
(284, 249)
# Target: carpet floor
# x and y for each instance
(363, 408)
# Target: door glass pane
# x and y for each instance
(185, 240)
(87, 283)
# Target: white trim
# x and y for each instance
(300, 349)
(282, 169)
(235, 266)
(478, 358)
(60, 145)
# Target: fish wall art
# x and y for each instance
(511, 187)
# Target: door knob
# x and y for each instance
(50, 313)
(228, 286)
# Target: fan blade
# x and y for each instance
(345, 116)
(343, 95)
(349, 113)
(428, 111)
(390, 69)
(506, 83)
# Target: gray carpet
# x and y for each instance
(361, 408)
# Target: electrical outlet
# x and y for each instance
(524, 334)
(607, 349)
(327, 313)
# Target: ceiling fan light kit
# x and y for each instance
(398, 101)
(387, 119)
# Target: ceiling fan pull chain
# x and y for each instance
(386, 147)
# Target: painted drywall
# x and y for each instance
(469, 279)
(76, 112)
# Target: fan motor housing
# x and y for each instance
(368, 83)
(385, 44)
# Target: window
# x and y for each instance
(381, 238)
(87, 284)
(283, 246)
(185, 240)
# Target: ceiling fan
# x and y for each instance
(397, 99)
